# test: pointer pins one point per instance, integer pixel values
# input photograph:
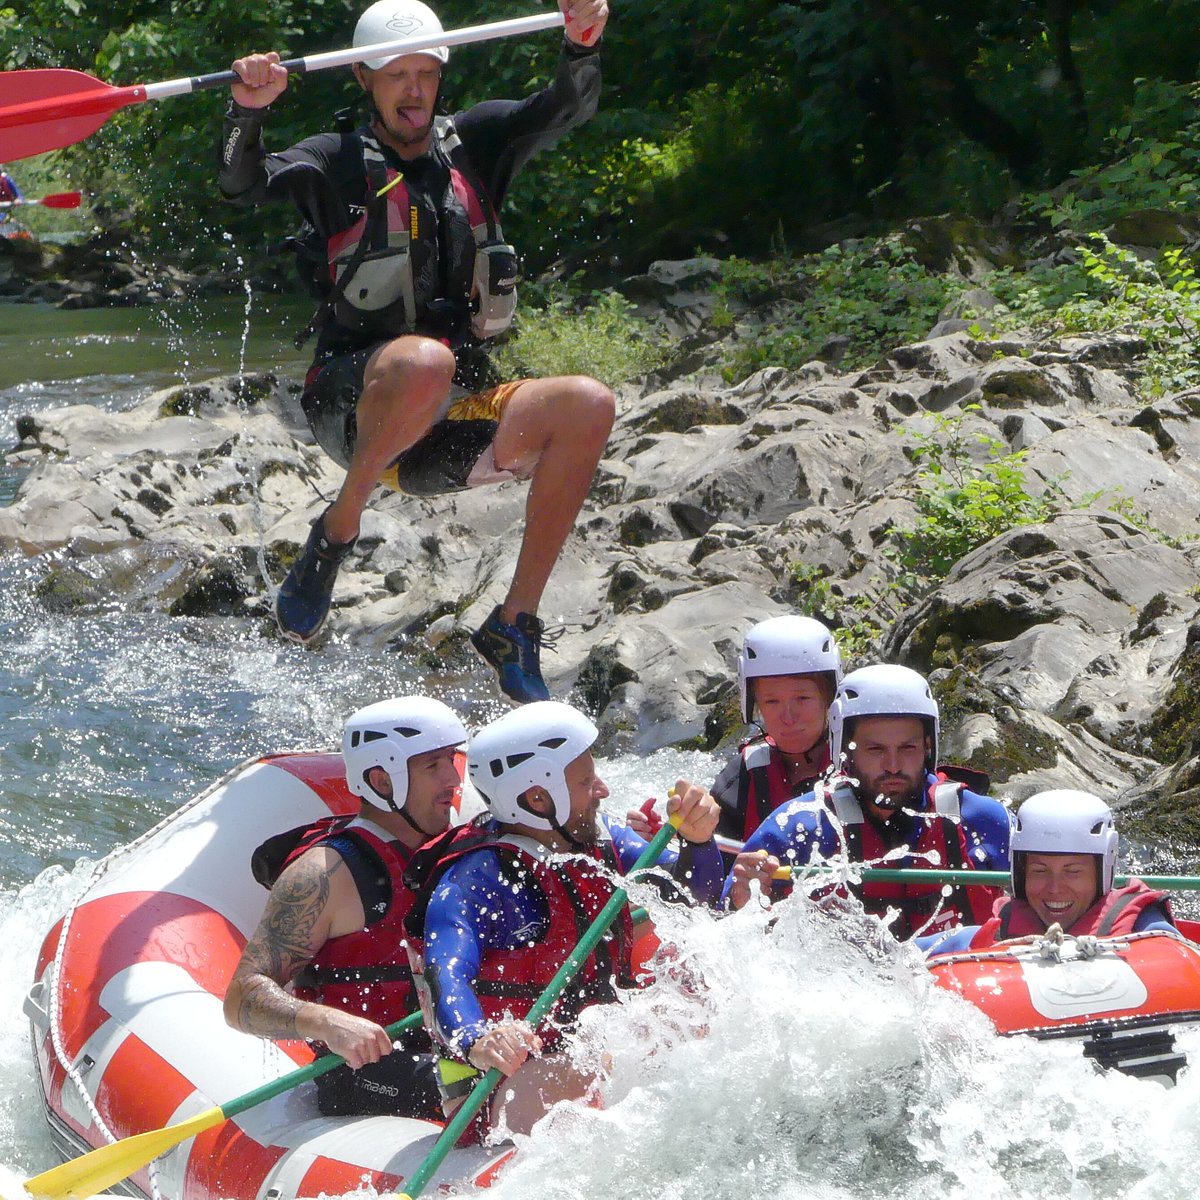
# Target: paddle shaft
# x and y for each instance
(105, 98)
(541, 1008)
(1173, 883)
(101, 1168)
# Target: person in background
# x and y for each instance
(890, 802)
(1064, 858)
(788, 673)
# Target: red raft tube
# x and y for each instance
(128, 1028)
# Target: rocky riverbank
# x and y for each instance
(1063, 652)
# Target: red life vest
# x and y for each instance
(1115, 913)
(941, 844)
(426, 253)
(762, 786)
(576, 886)
(364, 972)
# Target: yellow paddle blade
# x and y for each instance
(98, 1169)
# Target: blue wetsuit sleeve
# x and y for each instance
(471, 912)
(790, 834)
(987, 826)
(1154, 917)
(957, 941)
(697, 866)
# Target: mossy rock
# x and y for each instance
(684, 412)
(1174, 730)
(599, 677)
(217, 590)
(1019, 747)
(184, 401)
(723, 724)
(66, 589)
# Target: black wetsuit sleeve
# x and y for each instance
(322, 175)
(727, 791)
(501, 136)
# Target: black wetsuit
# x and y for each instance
(323, 175)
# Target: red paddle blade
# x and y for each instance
(48, 109)
(61, 200)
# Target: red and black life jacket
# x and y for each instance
(762, 786)
(941, 844)
(412, 260)
(575, 886)
(1116, 912)
(364, 972)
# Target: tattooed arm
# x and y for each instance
(313, 900)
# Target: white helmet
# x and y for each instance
(391, 732)
(531, 746)
(883, 690)
(1064, 821)
(786, 646)
(392, 20)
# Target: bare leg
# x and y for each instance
(404, 384)
(559, 427)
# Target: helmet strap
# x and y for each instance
(562, 833)
(403, 812)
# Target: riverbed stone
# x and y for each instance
(1061, 649)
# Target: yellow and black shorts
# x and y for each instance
(454, 455)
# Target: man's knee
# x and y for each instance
(589, 407)
(410, 366)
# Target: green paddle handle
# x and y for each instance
(542, 1006)
(327, 1062)
(1172, 883)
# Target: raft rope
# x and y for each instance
(1086, 946)
(99, 870)
(53, 1013)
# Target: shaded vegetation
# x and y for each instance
(733, 124)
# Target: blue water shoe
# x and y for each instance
(302, 602)
(513, 650)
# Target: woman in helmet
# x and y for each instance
(333, 924)
(508, 899)
(788, 673)
(1064, 858)
(890, 801)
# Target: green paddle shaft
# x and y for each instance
(99, 1169)
(1171, 883)
(542, 1006)
(327, 1062)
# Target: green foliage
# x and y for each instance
(605, 340)
(722, 121)
(1152, 161)
(859, 623)
(965, 500)
(873, 294)
(1112, 288)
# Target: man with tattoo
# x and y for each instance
(327, 961)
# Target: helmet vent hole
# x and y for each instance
(373, 735)
(355, 738)
(407, 731)
(553, 743)
(1098, 827)
(515, 760)
(496, 767)
(750, 652)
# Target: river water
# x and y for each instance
(814, 1061)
